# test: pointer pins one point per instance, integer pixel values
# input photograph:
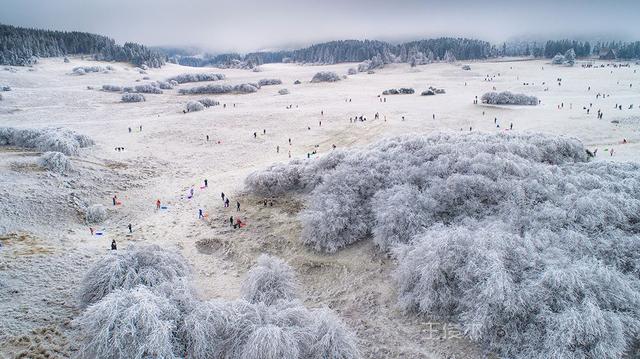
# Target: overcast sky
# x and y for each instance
(248, 25)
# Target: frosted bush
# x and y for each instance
(297, 82)
(147, 88)
(220, 89)
(94, 214)
(55, 161)
(332, 339)
(269, 281)
(240, 329)
(150, 266)
(132, 97)
(268, 82)
(508, 98)
(165, 85)
(400, 91)
(558, 59)
(352, 71)
(466, 67)
(6, 88)
(45, 139)
(208, 102)
(81, 70)
(283, 92)
(134, 323)
(111, 88)
(325, 76)
(185, 78)
(173, 83)
(529, 247)
(193, 106)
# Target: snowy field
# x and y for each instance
(46, 245)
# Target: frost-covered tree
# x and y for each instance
(570, 57)
(45, 139)
(449, 56)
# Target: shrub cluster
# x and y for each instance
(267, 82)
(531, 248)
(55, 161)
(432, 91)
(352, 71)
(508, 98)
(400, 91)
(139, 305)
(111, 88)
(208, 102)
(45, 139)
(81, 70)
(185, 78)
(132, 97)
(220, 89)
(147, 88)
(325, 76)
(283, 92)
(194, 106)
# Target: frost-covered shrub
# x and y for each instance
(147, 88)
(95, 213)
(267, 82)
(220, 89)
(332, 339)
(45, 139)
(297, 82)
(150, 266)
(193, 106)
(529, 247)
(81, 70)
(400, 91)
(240, 329)
(370, 65)
(269, 281)
(133, 323)
(466, 67)
(132, 97)
(6, 88)
(283, 92)
(165, 85)
(185, 78)
(173, 83)
(208, 102)
(558, 59)
(508, 98)
(66, 60)
(325, 76)
(352, 71)
(432, 91)
(111, 88)
(55, 161)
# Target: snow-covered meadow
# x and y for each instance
(157, 150)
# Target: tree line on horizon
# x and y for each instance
(21, 46)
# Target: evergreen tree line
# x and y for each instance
(624, 50)
(23, 46)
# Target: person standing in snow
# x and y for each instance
(113, 245)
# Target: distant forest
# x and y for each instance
(21, 46)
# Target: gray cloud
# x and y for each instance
(252, 25)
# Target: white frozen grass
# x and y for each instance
(325, 76)
(185, 78)
(55, 161)
(47, 139)
(269, 281)
(132, 97)
(95, 214)
(508, 98)
(124, 269)
(503, 233)
(129, 323)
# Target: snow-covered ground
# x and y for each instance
(46, 246)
